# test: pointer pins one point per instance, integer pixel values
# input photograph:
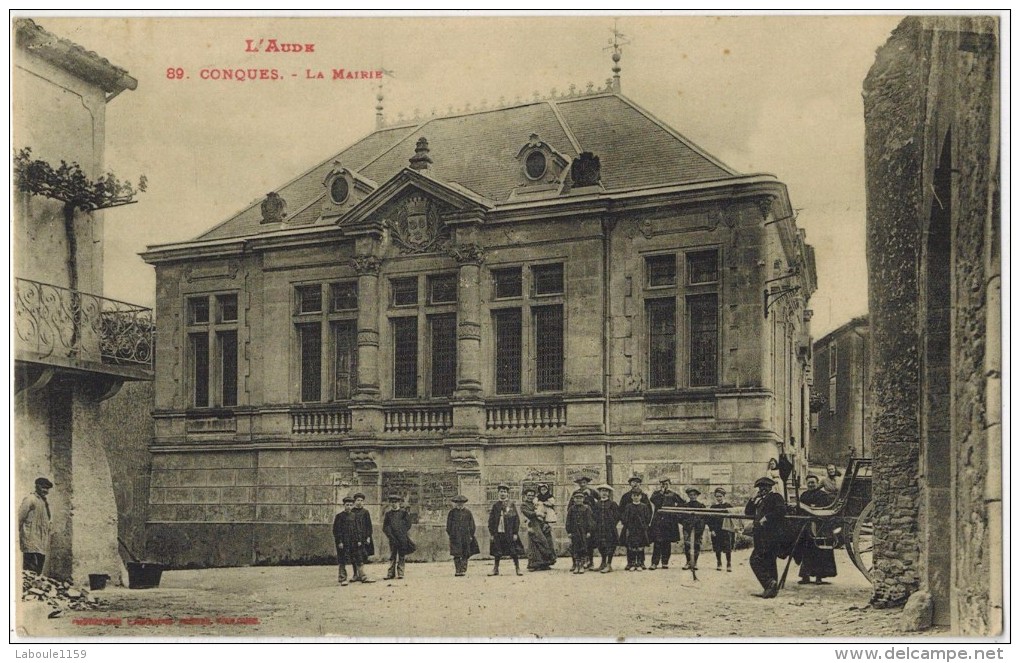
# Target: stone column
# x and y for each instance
(469, 408)
(365, 411)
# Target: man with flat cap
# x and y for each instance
(34, 524)
(769, 511)
(694, 529)
(361, 538)
(635, 487)
(460, 527)
(504, 527)
(397, 528)
(664, 530)
(343, 539)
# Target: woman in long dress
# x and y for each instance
(541, 554)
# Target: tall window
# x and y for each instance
(703, 313)
(696, 298)
(661, 342)
(443, 333)
(541, 350)
(212, 350)
(405, 357)
(424, 333)
(507, 323)
(548, 347)
(325, 321)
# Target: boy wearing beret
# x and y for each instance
(721, 529)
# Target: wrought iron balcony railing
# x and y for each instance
(55, 322)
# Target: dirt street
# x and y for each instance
(256, 602)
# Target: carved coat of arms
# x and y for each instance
(416, 226)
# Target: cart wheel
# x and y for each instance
(861, 544)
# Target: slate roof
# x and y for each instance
(477, 151)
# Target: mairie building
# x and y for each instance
(527, 293)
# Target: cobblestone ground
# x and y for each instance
(254, 602)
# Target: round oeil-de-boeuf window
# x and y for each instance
(339, 190)
(535, 165)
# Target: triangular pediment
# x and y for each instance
(447, 197)
(415, 210)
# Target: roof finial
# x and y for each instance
(379, 121)
(421, 158)
(619, 41)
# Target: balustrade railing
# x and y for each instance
(517, 416)
(418, 419)
(52, 321)
(321, 422)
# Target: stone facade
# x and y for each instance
(840, 425)
(63, 369)
(551, 289)
(931, 112)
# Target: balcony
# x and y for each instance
(512, 416)
(333, 421)
(59, 327)
(418, 419)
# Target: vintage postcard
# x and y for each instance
(592, 327)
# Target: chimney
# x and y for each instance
(421, 158)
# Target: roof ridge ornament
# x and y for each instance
(573, 91)
(617, 43)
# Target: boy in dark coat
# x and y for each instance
(591, 498)
(722, 538)
(664, 531)
(769, 511)
(504, 526)
(635, 516)
(362, 546)
(815, 561)
(460, 527)
(343, 540)
(694, 529)
(397, 528)
(607, 515)
(581, 528)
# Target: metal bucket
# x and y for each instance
(98, 581)
(144, 575)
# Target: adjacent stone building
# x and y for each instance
(73, 348)
(840, 425)
(527, 293)
(932, 119)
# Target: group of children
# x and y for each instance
(593, 520)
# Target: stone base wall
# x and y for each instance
(238, 508)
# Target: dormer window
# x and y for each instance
(344, 189)
(542, 168)
(339, 191)
(535, 165)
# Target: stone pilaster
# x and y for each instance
(468, 407)
(365, 411)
